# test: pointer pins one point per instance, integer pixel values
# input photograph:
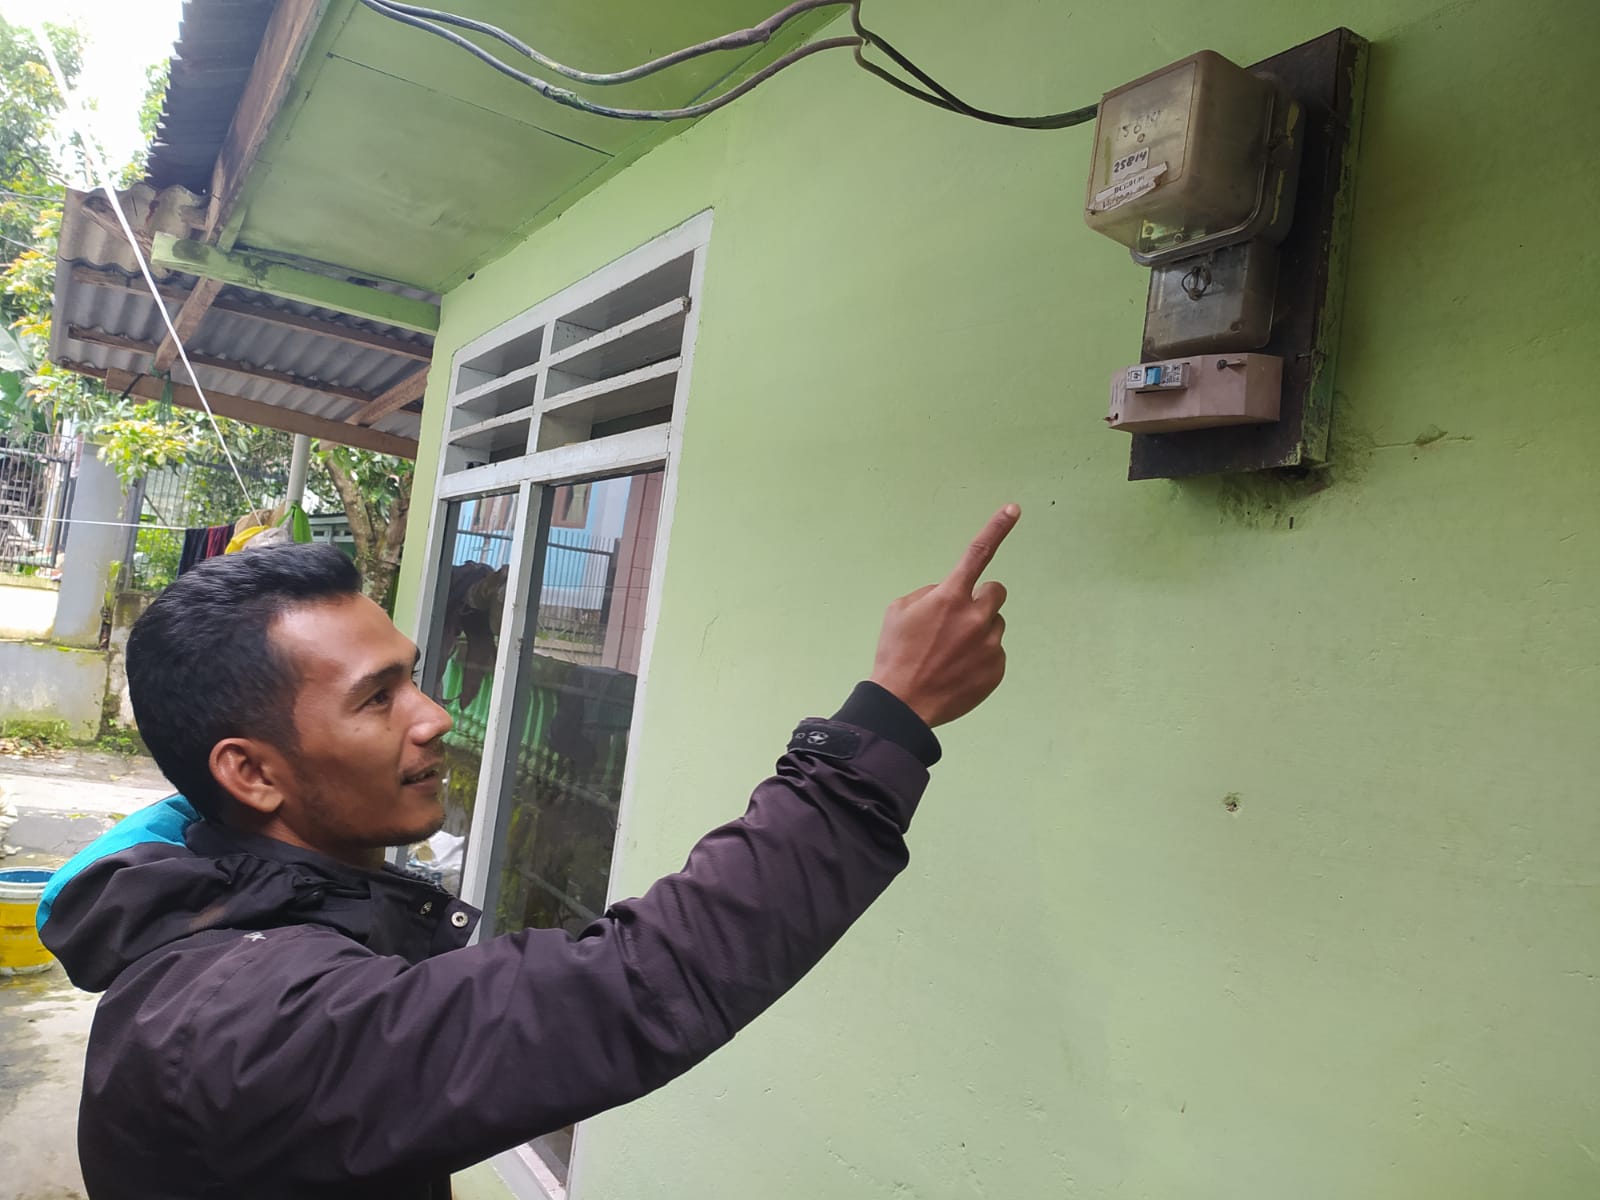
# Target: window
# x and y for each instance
(547, 544)
(461, 657)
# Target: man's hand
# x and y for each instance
(940, 650)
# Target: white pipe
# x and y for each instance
(299, 465)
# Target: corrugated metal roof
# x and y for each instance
(117, 303)
(90, 233)
(216, 48)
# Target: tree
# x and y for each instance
(33, 392)
(30, 177)
(376, 491)
(155, 93)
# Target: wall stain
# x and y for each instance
(1259, 500)
(1272, 500)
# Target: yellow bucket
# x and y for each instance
(21, 951)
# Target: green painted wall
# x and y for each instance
(343, 177)
(1379, 976)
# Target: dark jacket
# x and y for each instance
(276, 1024)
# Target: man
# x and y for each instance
(285, 1016)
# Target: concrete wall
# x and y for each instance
(1272, 870)
(129, 608)
(41, 683)
(27, 606)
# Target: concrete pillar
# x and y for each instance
(98, 536)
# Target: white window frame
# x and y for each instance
(619, 454)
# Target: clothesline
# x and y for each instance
(108, 524)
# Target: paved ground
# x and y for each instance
(65, 802)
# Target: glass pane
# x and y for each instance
(463, 641)
(573, 708)
(574, 702)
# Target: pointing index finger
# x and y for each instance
(980, 553)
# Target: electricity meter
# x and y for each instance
(1231, 185)
(1198, 155)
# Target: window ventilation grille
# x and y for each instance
(569, 373)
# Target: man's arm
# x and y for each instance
(375, 1068)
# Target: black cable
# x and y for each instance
(947, 99)
(133, 384)
(434, 21)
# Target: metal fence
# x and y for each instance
(575, 594)
(184, 497)
(36, 478)
(578, 570)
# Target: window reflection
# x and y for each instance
(460, 664)
(574, 702)
(574, 699)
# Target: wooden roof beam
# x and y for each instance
(268, 416)
(405, 392)
(291, 283)
(283, 45)
(187, 323)
(116, 341)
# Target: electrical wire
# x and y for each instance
(80, 127)
(45, 201)
(434, 21)
(572, 100)
(942, 97)
(756, 35)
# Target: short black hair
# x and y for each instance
(201, 666)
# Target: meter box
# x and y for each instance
(1220, 301)
(1205, 392)
(1234, 185)
(1199, 154)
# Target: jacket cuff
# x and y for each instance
(879, 711)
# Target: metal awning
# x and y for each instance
(320, 174)
(259, 358)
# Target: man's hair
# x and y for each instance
(201, 666)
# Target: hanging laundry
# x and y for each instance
(194, 549)
(202, 543)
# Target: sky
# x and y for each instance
(124, 37)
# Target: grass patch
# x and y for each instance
(118, 739)
(26, 739)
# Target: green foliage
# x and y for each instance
(138, 445)
(39, 395)
(29, 106)
(158, 551)
(16, 368)
(26, 738)
(155, 94)
(378, 476)
(376, 491)
(118, 739)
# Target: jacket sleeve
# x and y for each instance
(372, 1068)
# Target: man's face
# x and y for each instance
(367, 768)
